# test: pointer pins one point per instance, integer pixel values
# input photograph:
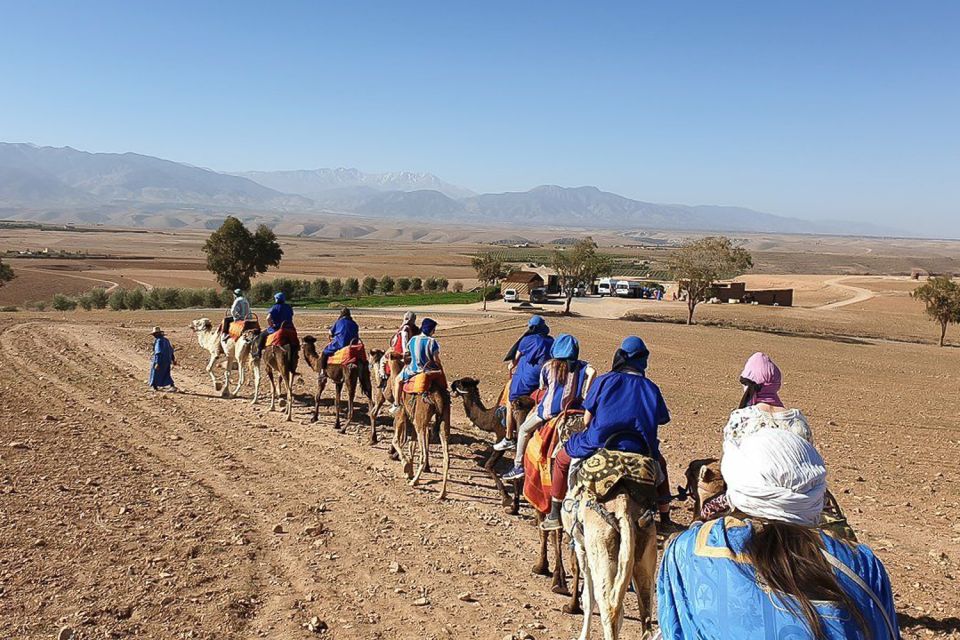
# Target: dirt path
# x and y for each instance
(860, 294)
(112, 285)
(346, 515)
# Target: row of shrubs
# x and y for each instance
(261, 293)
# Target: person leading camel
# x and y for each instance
(564, 381)
(526, 357)
(344, 332)
(781, 576)
(761, 406)
(163, 358)
(624, 410)
(424, 356)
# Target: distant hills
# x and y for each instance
(66, 185)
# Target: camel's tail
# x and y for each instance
(366, 385)
(627, 554)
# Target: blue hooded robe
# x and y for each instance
(161, 363)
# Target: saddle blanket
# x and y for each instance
(607, 468)
(423, 382)
(349, 355)
(238, 328)
(282, 337)
(538, 457)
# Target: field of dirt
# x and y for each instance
(125, 513)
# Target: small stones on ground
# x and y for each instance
(421, 602)
(15, 444)
(278, 528)
(175, 437)
(66, 633)
(313, 530)
(466, 596)
(316, 625)
(395, 567)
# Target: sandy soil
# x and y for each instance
(131, 514)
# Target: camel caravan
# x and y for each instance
(769, 552)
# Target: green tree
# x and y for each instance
(6, 273)
(941, 295)
(699, 264)
(442, 284)
(403, 285)
(369, 286)
(578, 266)
(99, 298)
(457, 286)
(63, 303)
(85, 302)
(235, 255)
(351, 286)
(118, 299)
(336, 287)
(416, 284)
(135, 299)
(489, 271)
(430, 284)
(387, 284)
(320, 288)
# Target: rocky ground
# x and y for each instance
(125, 513)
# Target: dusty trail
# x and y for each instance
(860, 294)
(345, 512)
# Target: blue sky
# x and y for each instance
(813, 109)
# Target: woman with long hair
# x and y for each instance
(767, 571)
(761, 406)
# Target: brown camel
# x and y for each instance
(280, 361)
(383, 392)
(422, 410)
(340, 374)
(491, 421)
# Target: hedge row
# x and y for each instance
(262, 292)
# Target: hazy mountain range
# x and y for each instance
(67, 185)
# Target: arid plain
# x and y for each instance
(131, 514)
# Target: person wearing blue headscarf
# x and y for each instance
(344, 332)
(526, 359)
(624, 409)
(279, 316)
(424, 357)
(564, 381)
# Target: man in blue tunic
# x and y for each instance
(344, 332)
(163, 359)
(526, 358)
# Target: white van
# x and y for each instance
(628, 289)
(605, 287)
(511, 295)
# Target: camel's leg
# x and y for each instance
(588, 591)
(445, 449)
(374, 409)
(209, 370)
(256, 380)
(505, 499)
(399, 440)
(541, 568)
(422, 429)
(321, 385)
(226, 380)
(336, 407)
(573, 606)
(517, 492)
(602, 557)
(559, 585)
(241, 367)
(273, 389)
(351, 392)
(644, 575)
(289, 396)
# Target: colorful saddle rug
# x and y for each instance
(283, 337)
(349, 355)
(607, 468)
(239, 327)
(424, 382)
(538, 457)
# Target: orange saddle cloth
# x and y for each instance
(349, 355)
(282, 337)
(423, 382)
(238, 327)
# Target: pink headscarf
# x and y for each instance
(761, 370)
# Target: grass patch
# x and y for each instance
(398, 300)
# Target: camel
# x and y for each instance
(423, 409)
(612, 555)
(384, 387)
(238, 353)
(491, 421)
(340, 375)
(278, 361)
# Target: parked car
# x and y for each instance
(511, 295)
(538, 295)
(605, 287)
(629, 289)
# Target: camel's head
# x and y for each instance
(309, 340)
(465, 386)
(201, 325)
(376, 355)
(704, 482)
